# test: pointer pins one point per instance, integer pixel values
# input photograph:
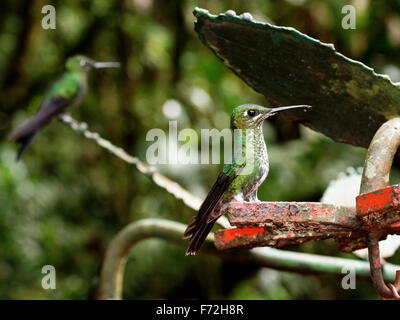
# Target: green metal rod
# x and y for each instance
(112, 273)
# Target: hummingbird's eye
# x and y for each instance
(252, 113)
(83, 63)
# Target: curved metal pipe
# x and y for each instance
(379, 158)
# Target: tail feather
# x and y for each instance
(25, 133)
(210, 210)
(30, 127)
(198, 236)
(25, 142)
(190, 229)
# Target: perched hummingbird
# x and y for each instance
(66, 93)
(236, 182)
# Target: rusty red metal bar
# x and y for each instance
(285, 213)
(279, 224)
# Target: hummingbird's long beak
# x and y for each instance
(275, 110)
(101, 65)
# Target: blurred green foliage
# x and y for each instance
(67, 198)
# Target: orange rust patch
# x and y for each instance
(233, 234)
(375, 201)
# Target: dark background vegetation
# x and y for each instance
(62, 204)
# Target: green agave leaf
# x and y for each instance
(350, 101)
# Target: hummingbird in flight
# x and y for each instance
(65, 94)
(239, 180)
